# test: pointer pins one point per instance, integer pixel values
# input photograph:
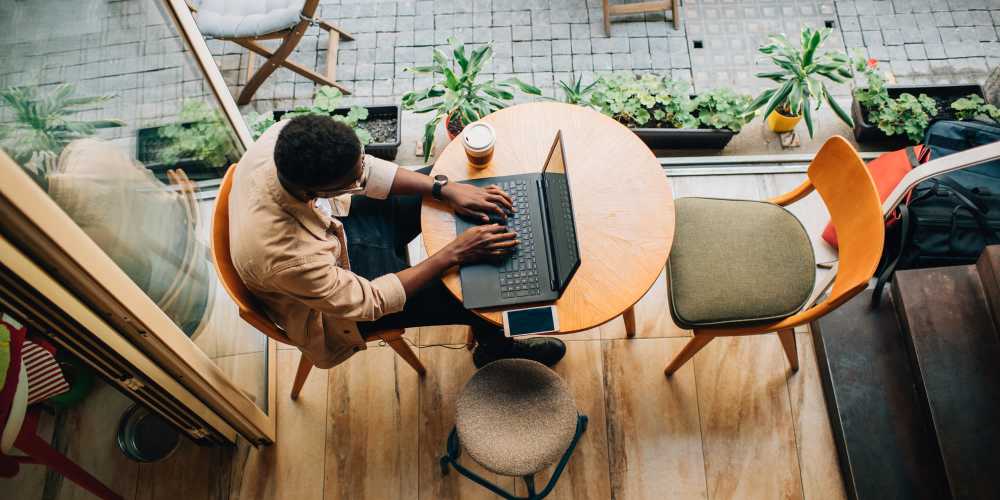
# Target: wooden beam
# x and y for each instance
(639, 8)
(331, 56)
(312, 75)
(332, 28)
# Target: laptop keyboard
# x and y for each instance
(519, 273)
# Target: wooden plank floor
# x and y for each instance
(733, 423)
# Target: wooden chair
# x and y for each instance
(674, 6)
(849, 193)
(250, 309)
(269, 20)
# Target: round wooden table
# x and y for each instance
(621, 199)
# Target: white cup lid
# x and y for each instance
(478, 136)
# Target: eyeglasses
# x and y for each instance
(356, 188)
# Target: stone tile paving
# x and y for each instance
(125, 48)
(547, 41)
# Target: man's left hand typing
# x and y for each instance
(477, 202)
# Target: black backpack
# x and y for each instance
(949, 219)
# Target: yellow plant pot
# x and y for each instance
(779, 123)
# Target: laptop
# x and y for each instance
(541, 266)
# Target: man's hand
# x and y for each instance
(476, 202)
(489, 241)
(479, 243)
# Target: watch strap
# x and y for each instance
(439, 184)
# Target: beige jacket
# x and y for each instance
(293, 256)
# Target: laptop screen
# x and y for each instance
(559, 212)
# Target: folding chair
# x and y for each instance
(245, 23)
(674, 6)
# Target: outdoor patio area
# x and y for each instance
(734, 422)
(541, 42)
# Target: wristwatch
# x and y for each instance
(440, 181)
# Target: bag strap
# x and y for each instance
(886, 274)
(962, 191)
(977, 214)
(911, 155)
(925, 153)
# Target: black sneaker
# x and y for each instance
(545, 350)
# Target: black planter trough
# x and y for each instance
(385, 150)
(865, 132)
(684, 138)
(149, 147)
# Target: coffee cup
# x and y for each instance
(479, 140)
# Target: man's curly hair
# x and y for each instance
(316, 150)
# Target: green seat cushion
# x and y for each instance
(737, 262)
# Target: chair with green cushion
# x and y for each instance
(742, 267)
(515, 417)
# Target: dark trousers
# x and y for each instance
(377, 234)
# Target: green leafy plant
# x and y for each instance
(259, 123)
(645, 101)
(972, 106)
(721, 108)
(199, 133)
(906, 114)
(43, 125)
(574, 92)
(874, 94)
(800, 75)
(654, 101)
(325, 102)
(459, 94)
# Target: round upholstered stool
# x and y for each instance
(515, 417)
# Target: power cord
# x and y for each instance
(382, 343)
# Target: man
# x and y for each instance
(319, 231)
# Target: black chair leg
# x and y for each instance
(529, 482)
(454, 451)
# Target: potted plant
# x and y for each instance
(664, 114)
(377, 126)
(973, 107)
(800, 76)
(459, 97)
(898, 115)
(44, 125)
(574, 92)
(199, 142)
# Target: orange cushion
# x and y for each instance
(887, 170)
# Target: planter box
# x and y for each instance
(684, 138)
(868, 133)
(149, 144)
(385, 150)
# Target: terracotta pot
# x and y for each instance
(779, 123)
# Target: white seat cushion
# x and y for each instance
(246, 18)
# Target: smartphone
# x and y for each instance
(530, 320)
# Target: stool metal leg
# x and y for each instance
(453, 452)
(529, 482)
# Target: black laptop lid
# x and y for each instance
(559, 213)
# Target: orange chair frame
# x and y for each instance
(849, 193)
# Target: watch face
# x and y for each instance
(441, 178)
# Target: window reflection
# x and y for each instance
(111, 115)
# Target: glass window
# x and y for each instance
(102, 104)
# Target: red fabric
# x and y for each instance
(887, 170)
(45, 378)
